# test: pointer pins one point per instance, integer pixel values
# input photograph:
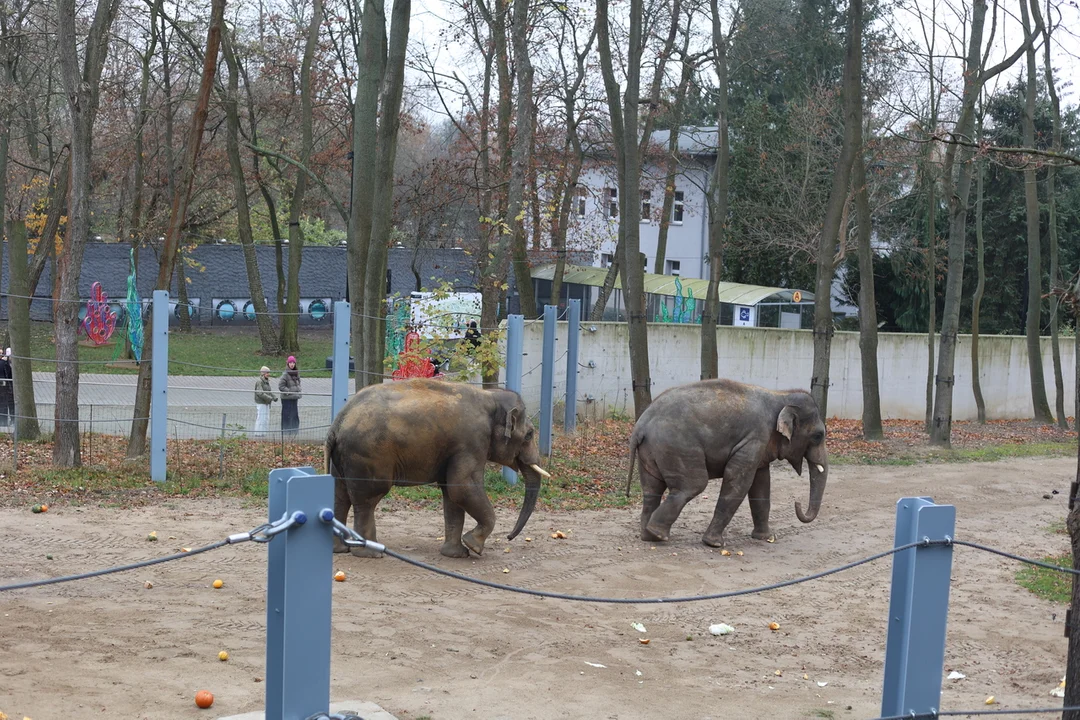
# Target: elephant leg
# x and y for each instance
(652, 492)
(454, 520)
(684, 482)
(738, 477)
(759, 505)
(342, 504)
(365, 495)
(465, 485)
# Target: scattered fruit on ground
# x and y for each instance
(223, 656)
(40, 508)
(558, 535)
(339, 576)
(643, 641)
(148, 585)
(774, 626)
(204, 699)
(218, 584)
(152, 537)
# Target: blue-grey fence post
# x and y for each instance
(573, 336)
(159, 381)
(547, 379)
(339, 373)
(515, 347)
(918, 608)
(285, 567)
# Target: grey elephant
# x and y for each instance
(422, 431)
(721, 428)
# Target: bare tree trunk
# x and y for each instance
(1072, 667)
(489, 281)
(980, 287)
(389, 100)
(958, 190)
(19, 321)
(183, 309)
(267, 337)
(82, 82)
(59, 189)
(559, 226)
(931, 280)
(604, 292)
(1055, 260)
(290, 339)
(672, 165)
(522, 157)
(868, 331)
(1034, 241)
(718, 201)
(372, 62)
(646, 129)
(834, 211)
(180, 201)
(624, 129)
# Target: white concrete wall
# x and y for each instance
(776, 358)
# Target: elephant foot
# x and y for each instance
(339, 546)
(716, 541)
(765, 535)
(469, 540)
(454, 550)
(654, 533)
(364, 552)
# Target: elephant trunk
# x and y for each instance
(532, 491)
(817, 492)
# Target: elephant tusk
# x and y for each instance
(819, 468)
(542, 471)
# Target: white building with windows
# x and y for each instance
(676, 294)
(596, 224)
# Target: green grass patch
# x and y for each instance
(1048, 584)
(218, 348)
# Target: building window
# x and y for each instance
(646, 206)
(580, 194)
(606, 259)
(613, 202)
(677, 208)
(672, 267)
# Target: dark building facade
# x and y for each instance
(217, 286)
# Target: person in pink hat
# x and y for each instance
(289, 386)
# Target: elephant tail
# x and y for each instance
(327, 449)
(635, 440)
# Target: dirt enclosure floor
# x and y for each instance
(426, 646)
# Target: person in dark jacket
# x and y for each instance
(7, 391)
(472, 335)
(289, 387)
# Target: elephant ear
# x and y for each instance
(785, 422)
(511, 421)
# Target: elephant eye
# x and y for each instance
(818, 437)
(528, 436)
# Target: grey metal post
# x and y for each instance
(515, 347)
(573, 336)
(547, 379)
(221, 450)
(918, 608)
(159, 380)
(339, 373)
(298, 597)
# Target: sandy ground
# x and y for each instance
(429, 646)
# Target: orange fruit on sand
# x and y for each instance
(218, 584)
(204, 698)
(339, 576)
